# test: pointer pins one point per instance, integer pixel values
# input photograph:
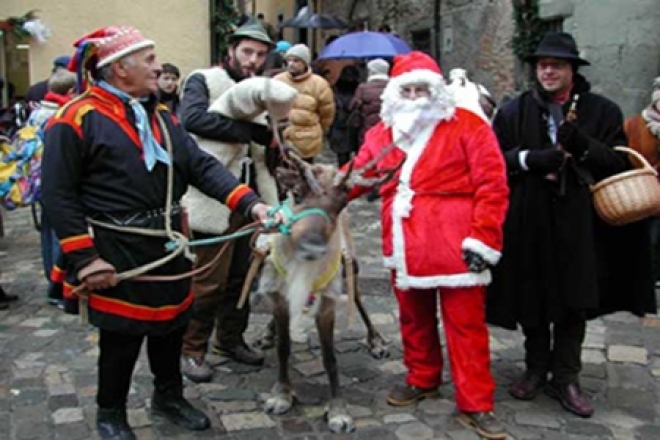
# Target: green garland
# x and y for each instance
(224, 23)
(528, 27)
(15, 24)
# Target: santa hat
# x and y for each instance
(416, 68)
(105, 46)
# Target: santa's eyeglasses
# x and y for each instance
(415, 90)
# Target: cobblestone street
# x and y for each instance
(48, 371)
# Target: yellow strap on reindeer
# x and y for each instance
(321, 281)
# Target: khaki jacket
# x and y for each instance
(312, 113)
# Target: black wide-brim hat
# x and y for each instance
(558, 45)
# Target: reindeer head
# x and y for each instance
(319, 194)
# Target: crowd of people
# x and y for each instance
(502, 194)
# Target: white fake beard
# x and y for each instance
(412, 117)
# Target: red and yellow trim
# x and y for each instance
(57, 274)
(67, 291)
(141, 313)
(234, 198)
(75, 243)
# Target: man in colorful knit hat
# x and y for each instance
(442, 216)
(106, 166)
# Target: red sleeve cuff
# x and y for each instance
(76, 243)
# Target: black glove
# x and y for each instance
(572, 139)
(475, 262)
(262, 135)
(545, 161)
(273, 159)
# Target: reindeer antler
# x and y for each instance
(382, 176)
(306, 171)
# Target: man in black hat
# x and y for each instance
(561, 263)
(217, 290)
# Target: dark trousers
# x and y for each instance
(118, 354)
(50, 252)
(217, 292)
(557, 350)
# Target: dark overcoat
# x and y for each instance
(558, 255)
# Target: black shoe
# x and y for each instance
(111, 424)
(529, 385)
(179, 411)
(240, 353)
(571, 397)
(4, 298)
(4, 306)
(59, 303)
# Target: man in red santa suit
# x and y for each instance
(442, 217)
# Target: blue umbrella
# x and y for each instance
(365, 44)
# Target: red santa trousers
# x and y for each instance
(463, 315)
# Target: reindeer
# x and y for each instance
(302, 276)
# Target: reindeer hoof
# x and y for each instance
(338, 419)
(378, 348)
(279, 404)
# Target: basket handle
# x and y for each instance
(642, 159)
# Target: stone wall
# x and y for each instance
(474, 34)
(622, 42)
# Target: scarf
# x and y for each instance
(152, 150)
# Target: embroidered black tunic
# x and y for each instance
(93, 167)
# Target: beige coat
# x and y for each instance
(312, 113)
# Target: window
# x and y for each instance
(421, 40)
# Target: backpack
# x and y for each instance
(20, 167)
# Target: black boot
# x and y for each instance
(5, 298)
(171, 405)
(111, 424)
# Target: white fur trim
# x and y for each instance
(439, 94)
(459, 280)
(125, 51)
(397, 261)
(479, 247)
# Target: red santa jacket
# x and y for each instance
(451, 194)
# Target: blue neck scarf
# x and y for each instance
(153, 151)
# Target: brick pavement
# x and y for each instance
(48, 381)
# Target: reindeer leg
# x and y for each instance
(376, 343)
(336, 411)
(267, 338)
(281, 398)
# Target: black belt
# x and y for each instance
(138, 218)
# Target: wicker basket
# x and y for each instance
(629, 196)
